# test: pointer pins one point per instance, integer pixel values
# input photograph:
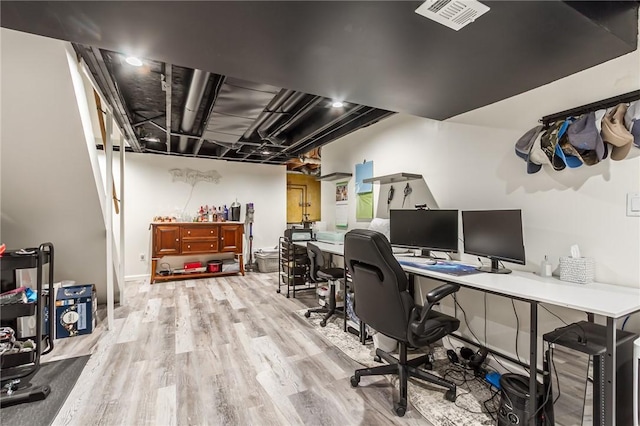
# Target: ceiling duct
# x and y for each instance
(286, 108)
(275, 103)
(194, 97)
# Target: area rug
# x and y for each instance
(476, 402)
(61, 376)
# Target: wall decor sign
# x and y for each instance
(192, 176)
(364, 191)
(364, 171)
(342, 204)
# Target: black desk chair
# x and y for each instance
(382, 300)
(319, 274)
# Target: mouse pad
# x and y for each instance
(450, 268)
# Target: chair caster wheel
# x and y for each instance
(450, 395)
(278, 291)
(400, 409)
(354, 381)
(323, 323)
(307, 314)
(428, 366)
(377, 358)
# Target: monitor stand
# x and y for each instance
(494, 268)
(429, 254)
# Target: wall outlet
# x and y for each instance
(633, 204)
(143, 257)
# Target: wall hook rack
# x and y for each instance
(594, 106)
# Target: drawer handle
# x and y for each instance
(211, 245)
(188, 246)
(212, 231)
(176, 239)
(189, 232)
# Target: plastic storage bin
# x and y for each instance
(267, 260)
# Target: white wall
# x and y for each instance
(474, 167)
(149, 192)
(48, 191)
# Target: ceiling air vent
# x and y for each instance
(454, 14)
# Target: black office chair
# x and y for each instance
(382, 300)
(319, 274)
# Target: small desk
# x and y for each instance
(610, 301)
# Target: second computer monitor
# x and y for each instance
(435, 230)
(496, 234)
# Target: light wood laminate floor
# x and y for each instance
(223, 351)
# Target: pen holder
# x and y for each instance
(577, 269)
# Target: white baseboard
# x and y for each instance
(135, 277)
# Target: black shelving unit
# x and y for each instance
(18, 368)
(294, 267)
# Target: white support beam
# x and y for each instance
(122, 245)
(108, 148)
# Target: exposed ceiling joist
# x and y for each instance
(114, 98)
(206, 121)
(168, 83)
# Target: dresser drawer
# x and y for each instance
(192, 247)
(199, 231)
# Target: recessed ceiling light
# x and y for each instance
(337, 104)
(132, 60)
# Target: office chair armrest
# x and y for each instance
(439, 293)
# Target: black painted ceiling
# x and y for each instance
(377, 53)
(227, 118)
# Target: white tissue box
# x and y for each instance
(577, 269)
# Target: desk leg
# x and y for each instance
(533, 361)
(610, 375)
(346, 292)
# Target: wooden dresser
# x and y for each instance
(195, 238)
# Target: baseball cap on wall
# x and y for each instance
(548, 143)
(584, 140)
(632, 121)
(537, 157)
(524, 145)
(615, 132)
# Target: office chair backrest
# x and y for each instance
(380, 285)
(316, 261)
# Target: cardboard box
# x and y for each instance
(76, 309)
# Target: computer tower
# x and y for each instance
(590, 338)
(514, 400)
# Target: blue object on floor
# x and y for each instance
(493, 378)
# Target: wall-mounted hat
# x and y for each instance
(548, 143)
(584, 140)
(566, 153)
(615, 133)
(523, 148)
(632, 121)
(558, 137)
(537, 157)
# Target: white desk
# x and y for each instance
(607, 300)
(331, 248)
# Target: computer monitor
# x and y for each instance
(496, 234)
(435, 230)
